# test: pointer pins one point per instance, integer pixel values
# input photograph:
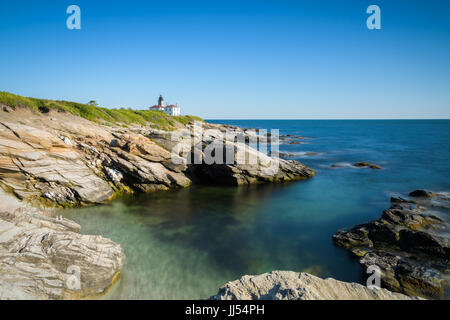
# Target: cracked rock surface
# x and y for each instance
(289, 285)
(409, 244)
(47, 258)
(64, 160)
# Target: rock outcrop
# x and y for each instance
(46, 258)
(407, 243)
(234, 161)
(60, 159)
(289, 285)
(37, 164)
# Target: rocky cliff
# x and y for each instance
(56, 158)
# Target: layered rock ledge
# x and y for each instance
(409, 244)
(289, 285)
(57, 158)
(46, 258)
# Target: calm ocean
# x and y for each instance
(185, 244)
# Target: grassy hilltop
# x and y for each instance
(105, 116)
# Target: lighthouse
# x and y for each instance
(161, 101)
(173, 110)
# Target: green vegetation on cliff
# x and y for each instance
(122, 116)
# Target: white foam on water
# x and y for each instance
(344, 165)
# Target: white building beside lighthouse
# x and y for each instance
(173, 110)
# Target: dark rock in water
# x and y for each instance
(405, 243)
(364, 164)
(282, 154)
(357, 165)
(423, 242)
(357, 238)
(403, 271)
(291, 136)
(289, 155)
(420, 280)
(291, 139)
(401, 200)
(383, 233)
(421, 194)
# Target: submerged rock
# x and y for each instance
(364, 164)
(421, 194)
(289, 285)
(282, 154)
(356, 165)
(407, 245)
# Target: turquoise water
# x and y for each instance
(185, 244)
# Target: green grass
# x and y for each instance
(122, 116)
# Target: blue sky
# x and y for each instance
(234, 59)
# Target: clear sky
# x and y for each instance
(227, 59)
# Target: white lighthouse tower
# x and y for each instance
(161, 101)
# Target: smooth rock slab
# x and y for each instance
(289, 285)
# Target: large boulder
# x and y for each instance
(218, 154)
(289, 285)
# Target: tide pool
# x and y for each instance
(185, 244)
